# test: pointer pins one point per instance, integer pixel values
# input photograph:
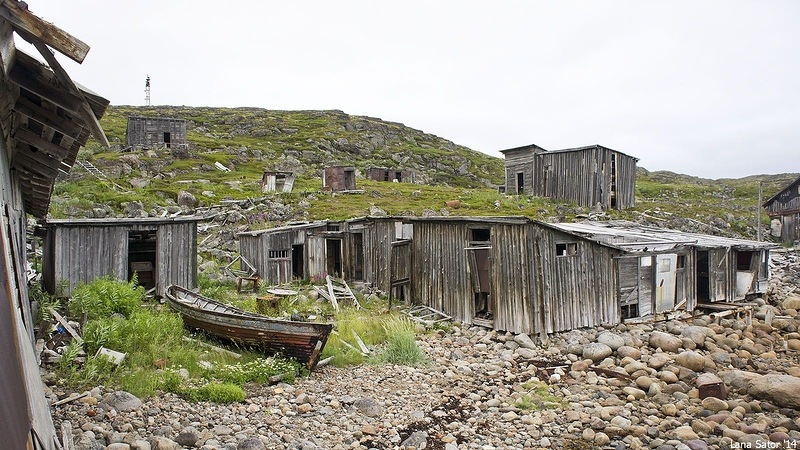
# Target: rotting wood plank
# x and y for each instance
(24, 21)
(67, 326)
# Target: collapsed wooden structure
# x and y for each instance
(161, 251)
(357, 250)
(785, 208)
(155, 132)
(276, 181)
(45, 118)
(589, 176)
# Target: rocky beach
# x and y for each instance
(717, 381)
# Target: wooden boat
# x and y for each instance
(302, 341)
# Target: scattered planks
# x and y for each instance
(337, 289)
(67, 326)
(427, 315)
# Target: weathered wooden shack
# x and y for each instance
(356, 250)
(45, 118)
(160, 251)
(387, 174)
(339, 178)
(589, 176)
(519, 275)
(155, 132)
(784, 207)
(273, 181)
(662, 268)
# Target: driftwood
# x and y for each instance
(325, 362)
(67, 327)
(66, 435)
(361, 345)
(612, 373)
(70, 399)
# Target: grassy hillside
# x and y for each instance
(249, 141)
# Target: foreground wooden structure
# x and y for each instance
(45, 118)
(785, 208)
(590, 176)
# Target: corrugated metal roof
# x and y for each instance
(633, 237)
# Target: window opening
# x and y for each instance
(566, 248)
(480, 234)
(278, 254)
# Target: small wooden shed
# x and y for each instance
(519, 275)
(155, 132)
(274, 181)
(589, 176)
(356, 250)
(160, 251)
(785, 207)
(339, 178)
(387, 174)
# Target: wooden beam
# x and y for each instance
(29, 137)
(34, 163)
(47, 117)
(30, 74)
(25, 22)
(7, 49)
(63, 77)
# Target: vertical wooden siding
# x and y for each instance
(513, 278)
(176, 256)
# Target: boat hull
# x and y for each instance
(302, 341)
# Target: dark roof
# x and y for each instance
(775, 197)
(123, 221)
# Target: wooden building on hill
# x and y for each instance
(589, 176)
(523, 276)
(386, 174)
(785, 207)
(275, 181)
(339, 178)
(155, 132)
(160, 251)
(45, 118)
(357, 250)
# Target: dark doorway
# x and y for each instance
(297, 261)
(167, 140)
(520, 183)
(358, 263)
(142, 247)
(333, 257)
(702, 277)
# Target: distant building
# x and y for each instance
(785, 207)
(273, 181)
(155, 132)
(339, 178)
(386, 174)
(589, 176)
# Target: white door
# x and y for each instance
(665, 282)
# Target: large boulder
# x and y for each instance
(596, 351)
(612, 340)
(697, 334)
(782, 390)
(665, 341)
(120, 401)
(792, 302)
(691, 360)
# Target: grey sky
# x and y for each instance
(705, 88)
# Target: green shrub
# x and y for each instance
(217, 393)
(401, 343)
(258, 370)
(106, 296)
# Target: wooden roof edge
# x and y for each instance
(299, 226)
(24, 21)
(775, 197)
(120, 221)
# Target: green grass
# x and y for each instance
(538, 397)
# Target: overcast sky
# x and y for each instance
(705, 88)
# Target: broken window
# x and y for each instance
(743, 261)
(480, 234)
(278, 254)
(630, 311)
(566, 248)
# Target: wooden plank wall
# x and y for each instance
(176, 256)
(82, 254)
(513, 278)
(520, 161)
(581, 289)
(149, 131)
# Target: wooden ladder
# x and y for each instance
(337, 289)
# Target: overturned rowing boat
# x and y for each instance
(302, 341)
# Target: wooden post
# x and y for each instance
(758, 209)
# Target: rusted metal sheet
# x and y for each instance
(302, 341)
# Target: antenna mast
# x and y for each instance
(147, 91)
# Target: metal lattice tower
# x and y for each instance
(147, 91)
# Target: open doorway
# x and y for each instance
(167, 140)
(702, 277)
(480, 272)
(333, 257)
(358, 257)
(142, 259)
(520, 183)
(298, 271)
